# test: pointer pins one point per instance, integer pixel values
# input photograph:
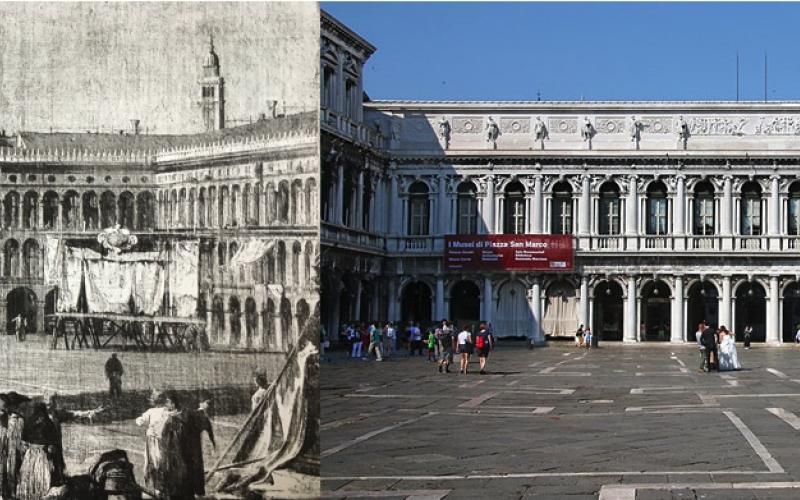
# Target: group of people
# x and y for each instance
(717, 348)
(583, 337)
(440, 341)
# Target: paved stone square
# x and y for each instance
(618, 422)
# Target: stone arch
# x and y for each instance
(212, 203)
(31, 265)
(750, 303)
(608, 307)
(282, 202)
(90, 210)
(270, 204)
(11, 258)
(286, 319)
(235, 315)
(22, 301)
(50, 209)
(308, 260)
(223, 216)
(560, 312)
(258, 193)
(146, 211)
(268, 314)
(201, 208)
(11, 204)
(280, 258)
(297, 248)
(125, 210)
(235, 206)
(217, 318)
(251, 321)
(303, 313)
(190, 218)
(415, 300)
(296, 215)
(247, 209)
(30, 210)
(311, 211)
(108, 209)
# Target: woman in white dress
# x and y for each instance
(728, 358)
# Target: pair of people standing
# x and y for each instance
(717, 348)
(483, 343)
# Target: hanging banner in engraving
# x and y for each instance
(516, 252)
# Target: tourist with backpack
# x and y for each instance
(465, 347)
(484, 343)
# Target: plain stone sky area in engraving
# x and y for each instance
(569, 51)
(80, 66)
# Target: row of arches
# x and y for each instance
(240, 206)
(289, 263)
(512, 315)
(73, 210)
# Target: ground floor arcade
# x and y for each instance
(623, 304)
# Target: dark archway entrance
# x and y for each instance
(21, 301)
(465, 303)
(791, 311)
(751, 309)
(416, 302)
(656, 311)
(235, 314)
(703, 304)
(607, 318)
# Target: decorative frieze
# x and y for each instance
(467, 125)
(562, 125)
(610, 124)
(515, 125)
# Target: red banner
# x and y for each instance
(518, 252)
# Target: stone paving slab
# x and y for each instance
(560, 422)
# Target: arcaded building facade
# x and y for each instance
(226, 187)
(679, 212)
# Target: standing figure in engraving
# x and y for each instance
(636, 130)
(492, 133)
(444, 132)
(540, 132)
(588, 131)
(683, 132)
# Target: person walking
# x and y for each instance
(114, 372)
(431, 341)
(391, 339)
(415, 339)
(446, 341)
(484, 343)
(154, 419)
(579, 337)
(465, 348)
(375, 342)
(20, 324)
(698, 337)
(748, 335)
(710, 342)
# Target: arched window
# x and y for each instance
(657, 208)
(467, 209)
(296, 250)
(11, 210)
(751, 209)
(30, 210)
(418, 209)
(608, 222)
(561, 218)
(703, 209)
(514, 216)
(794, 209)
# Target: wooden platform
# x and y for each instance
(95, 330)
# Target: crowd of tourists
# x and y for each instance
(439, 342)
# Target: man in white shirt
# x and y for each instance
(391, 339)
(154, 419)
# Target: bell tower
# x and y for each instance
(212, 91)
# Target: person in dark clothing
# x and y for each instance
(42, 467)
(709, 341)
(114, 373)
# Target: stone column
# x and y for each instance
(258, 335)
(536, 310)
(357, 302)
(631, 320)
(487, 299)
(394, 207)
(726, 213)
(773, 312)
(278, 333)
(340, 195)
(488, 205)
(538, 206)
(40, 214)
(632, 208)
(359, 218)
(243, 326)
(775, 213)
(584, 217)
(440, 312)
(443, 226)
(679, 212)
(583, 312)
(393, 312)
(678, 332)
(725, 309)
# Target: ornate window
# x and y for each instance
(561, 218)
(418, 209)
(794, 209)
(657, 209)
(703, 215)
(750, 210)
(514, 216)
(467, 209)
(608, 222)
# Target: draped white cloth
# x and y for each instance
(560, 316)
(53, 260)
(184, 280)
(251, 251)
(109, 286)
(149, 282)
(69, 290)
(728, 357)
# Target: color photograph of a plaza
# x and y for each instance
(560, 250)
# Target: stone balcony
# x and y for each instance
(354, 131)
(331, 234)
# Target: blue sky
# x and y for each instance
(566, 51)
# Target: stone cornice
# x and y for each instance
(333, 25)
(584, 106)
